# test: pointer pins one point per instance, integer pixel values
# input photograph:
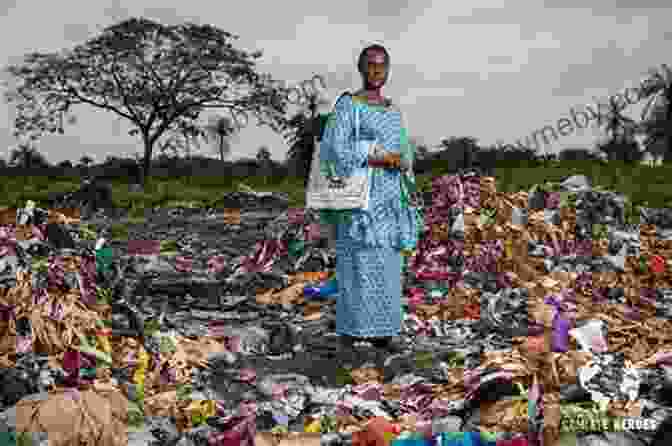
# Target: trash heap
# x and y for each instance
(517, 307)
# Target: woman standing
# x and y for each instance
(369, 243)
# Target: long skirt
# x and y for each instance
(369, 295)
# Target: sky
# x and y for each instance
(496, 70)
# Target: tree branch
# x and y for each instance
(124, 98)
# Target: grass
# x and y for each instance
(641, 184)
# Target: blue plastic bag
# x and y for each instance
(461, 439)
(323, 291)
(412, 442)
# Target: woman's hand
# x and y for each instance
(388, 160)
(395, 161)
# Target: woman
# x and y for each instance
(369, 243)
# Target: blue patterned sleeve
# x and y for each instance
(338, 143)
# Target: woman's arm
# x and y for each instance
(396, 161)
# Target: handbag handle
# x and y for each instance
(333, 178)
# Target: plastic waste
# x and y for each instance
(519, 441)
(322, 291)
(462, 439)
(590, 337)
(104, 256)
(560, 338)
(24, 336)
(519, 217)
(412, 441)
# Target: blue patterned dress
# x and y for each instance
(369, 243)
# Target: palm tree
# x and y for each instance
(301, 141)
(222, 128)
(620, 131)
(656, 119)
(26, 156)
(190, 139)
(264, 158)
(305, 128)
(616, 125)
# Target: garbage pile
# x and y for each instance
(518, 308)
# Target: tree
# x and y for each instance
(305, 128)
(577, 154)
(656, 119)
(222, 128)
(459, 150)
(26, 156)
(626, 150)
(263, 154)
(264, 159)
(618, 128)
(66, 164)
(86, 160)
(169, 144)
(421, 150)
(158, 77)
(301, 143)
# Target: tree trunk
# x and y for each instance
(221, 147)
(146, 162)
(668, 123)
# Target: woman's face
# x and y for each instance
(375, 73)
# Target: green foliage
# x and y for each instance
(343, 377)
(638, 183)
(424, 360)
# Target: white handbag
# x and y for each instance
(331, 192)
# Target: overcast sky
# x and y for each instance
(494, 70)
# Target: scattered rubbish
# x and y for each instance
(192, 327)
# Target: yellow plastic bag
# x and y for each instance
(313, 427)
(201, 410)
(141, 369)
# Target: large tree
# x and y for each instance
(158, 77)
